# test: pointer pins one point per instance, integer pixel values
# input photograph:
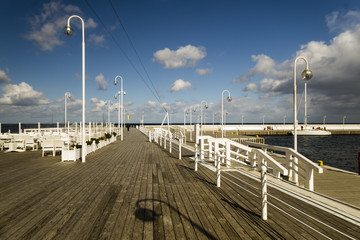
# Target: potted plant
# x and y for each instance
(71, 154)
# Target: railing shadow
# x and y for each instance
(148, 215)
(248, 215)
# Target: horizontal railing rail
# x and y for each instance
(296, 163)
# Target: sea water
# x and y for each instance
(340, 151)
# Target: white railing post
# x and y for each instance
(218, 172)
(202, 148)
(296, 169)
(309, 182)
(165, 139)
(149, 136)
(253, 159)
(180, 150)
(160, 136)
(210, 150)
(170, 141)
(263, 189)
(196, 157)
(289, 164)
(227, 153)
(216, 152)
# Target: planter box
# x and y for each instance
(70, 155)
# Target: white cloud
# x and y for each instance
(334, 86)
(179, 85)
(99, 105)
(204, 71)
(48, 25)
(22, 95)
(337, 22)
(96, 40)
(129, 103)
(152, 104)
(250, 87)
(264, 65)
(4, 78)
(90, 23)
(186, 56)
(100, 80)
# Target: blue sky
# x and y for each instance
(191, 50)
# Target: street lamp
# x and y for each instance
(324, 118)
(344, 117)
(67, 96)
(121, 106)
(68, 31)
(305, 75)
(201, 112)
(222, 110)
(284, 119)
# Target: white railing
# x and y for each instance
(296, 164)
(224, 152)
(162, 136)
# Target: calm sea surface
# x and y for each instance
(340, 151)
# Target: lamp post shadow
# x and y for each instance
(148, 215)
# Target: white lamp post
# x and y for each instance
(68, 31)
(222, 110)
(67, 96)
(324, 118)
(201, 109)
(284, 119)
(306, 75)
(201, 113)
(121, 113)
(344, 117)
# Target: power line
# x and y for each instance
(126, 56)
(133, 46)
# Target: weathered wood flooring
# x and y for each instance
(136, 190)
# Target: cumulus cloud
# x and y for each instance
(334, 86)
(98, 105)
(48, 25)
(152, 104)
(339, 22)
(264, 65)
(179, 85)
(204, 71)
(100, 80)
(22, 95)
(250, 87)
(4, 78)
(186, 56)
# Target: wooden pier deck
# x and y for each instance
(136, 190)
